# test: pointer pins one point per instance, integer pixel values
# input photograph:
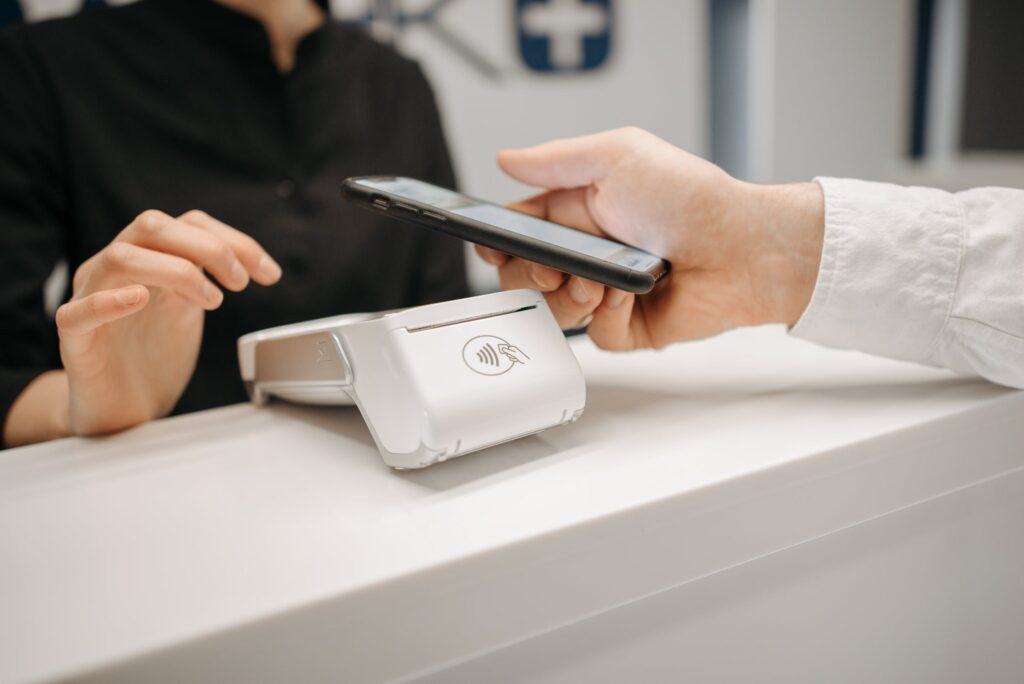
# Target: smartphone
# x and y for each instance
(566, 249)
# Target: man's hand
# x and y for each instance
(741, 254)
(129, 336)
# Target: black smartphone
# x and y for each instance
(566, 249)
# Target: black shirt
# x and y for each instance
(176, 105)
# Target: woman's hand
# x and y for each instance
(741, 254)
(129, 336)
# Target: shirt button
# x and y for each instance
(285, 188)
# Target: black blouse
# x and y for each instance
(177, 104)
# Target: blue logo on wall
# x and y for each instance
(564, 35)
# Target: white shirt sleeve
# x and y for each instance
(922, 275)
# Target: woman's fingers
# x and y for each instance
(81, 316)
(263, 269)
(231, 256)
(159, 232)
(162, 251)
(121, 261)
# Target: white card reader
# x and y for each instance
(432, 382)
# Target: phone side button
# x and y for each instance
(405, 207)
(432, 215)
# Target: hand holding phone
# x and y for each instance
(515, 233)
(742, 254)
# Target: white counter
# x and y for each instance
(247, 544)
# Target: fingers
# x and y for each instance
(159, 232)
(491, 256)
(534, 206)
(566, 207)
(260, 266)
(81, 316)
(567, 163)
(575, 302)
(127, 261)
(519, 273)
(612, 326)
(158, 250)
(572, 299)
(231, 256)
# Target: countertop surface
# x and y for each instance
(225, 540)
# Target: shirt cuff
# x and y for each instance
(889, 269)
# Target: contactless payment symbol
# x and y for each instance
(564, 35)
(491, 355)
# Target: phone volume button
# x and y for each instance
(432, 215)
(405, 207)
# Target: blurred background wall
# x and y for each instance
(910, 91)
(896, 90)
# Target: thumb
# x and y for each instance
(566, 163)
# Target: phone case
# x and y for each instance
(545, 253)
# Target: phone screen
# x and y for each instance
(514, 221)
